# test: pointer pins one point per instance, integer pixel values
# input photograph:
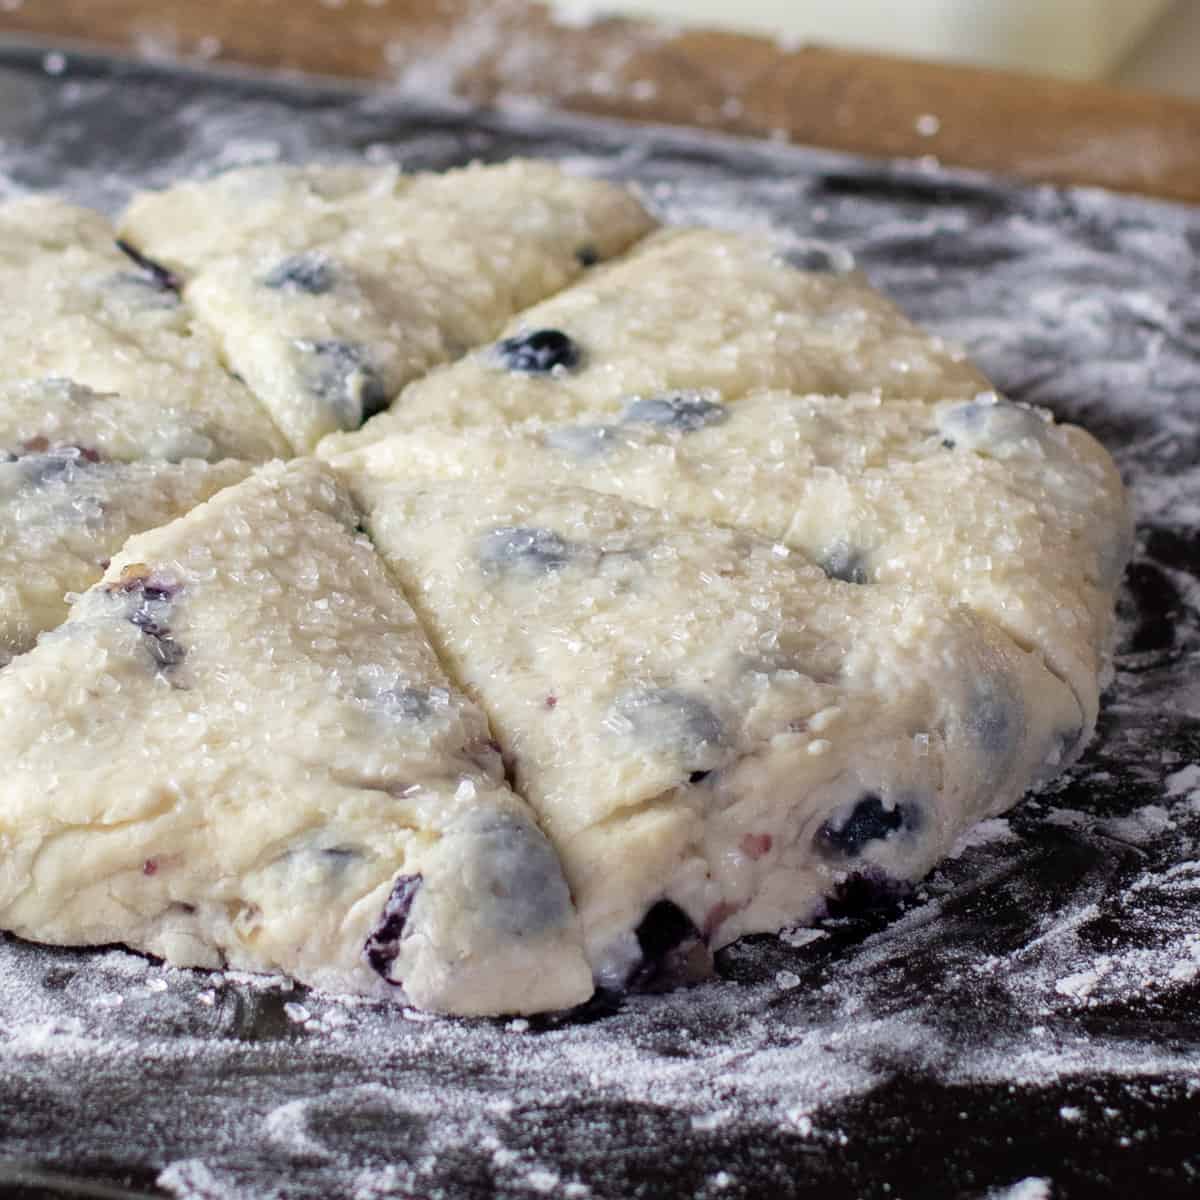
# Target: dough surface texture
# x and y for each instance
(689, 310)
(329, 289)
(244, 735)
(73, 306)
(703, 718)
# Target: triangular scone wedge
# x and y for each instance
(65, 511)
(73, 306)
(986, 502)
(371, 277)
(685, 310)
(713, 733)
(239, 749)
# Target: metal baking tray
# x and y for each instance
(1024, 1026)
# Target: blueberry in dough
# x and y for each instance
(60, 464)
(539, 352)
(342, 375)
(684, 411)
(673, 951)
(990, 424)
(161, 277)
(515, 874)
(383, 945)
(141, 288)
(672, 720)
(524, 549)
(312, 274)
(841, 561)
(149, 600)
(338, 858)
(587, 256)
(870, 820)
(994, 717)
(413, 703)
(580, 441)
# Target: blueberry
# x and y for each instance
(159, 276)
(149, 607)
(869, 821)
(312, 274)
(539, 352)
(684, 411)
(990, 424)
(673, 950)
(675, 721)
(342, 375)
(587, 256)
(846, 564)
(412, 703)
(994, 717)
(580, 441)
(142, 289)
(525, 549)
(515, 870)
(382, 947)
(43, 466)
(338, 858)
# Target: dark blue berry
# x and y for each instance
(312, 274)
(413, 703)
(587, 256)
(989, 425)
(673, 950)
(994, 717)
(684, 411)
(869, 821)
(673, 720)
(382, 947)
(580, 441)
(343, 376)
(142, 289)
(156, 274)
(149, 609)
(55, 464)
(525, 549)
(517, 874)
(338, 858)
(846, 564)
(539, 352)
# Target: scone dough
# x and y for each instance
(685, 310)
(1035, 539)
(701, 720)
(73, 306)
(729, 585)
(66, 509)
(244, 734)
(329, 289)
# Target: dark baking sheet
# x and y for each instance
(1024, 1027)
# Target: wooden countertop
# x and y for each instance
(1034, 127)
